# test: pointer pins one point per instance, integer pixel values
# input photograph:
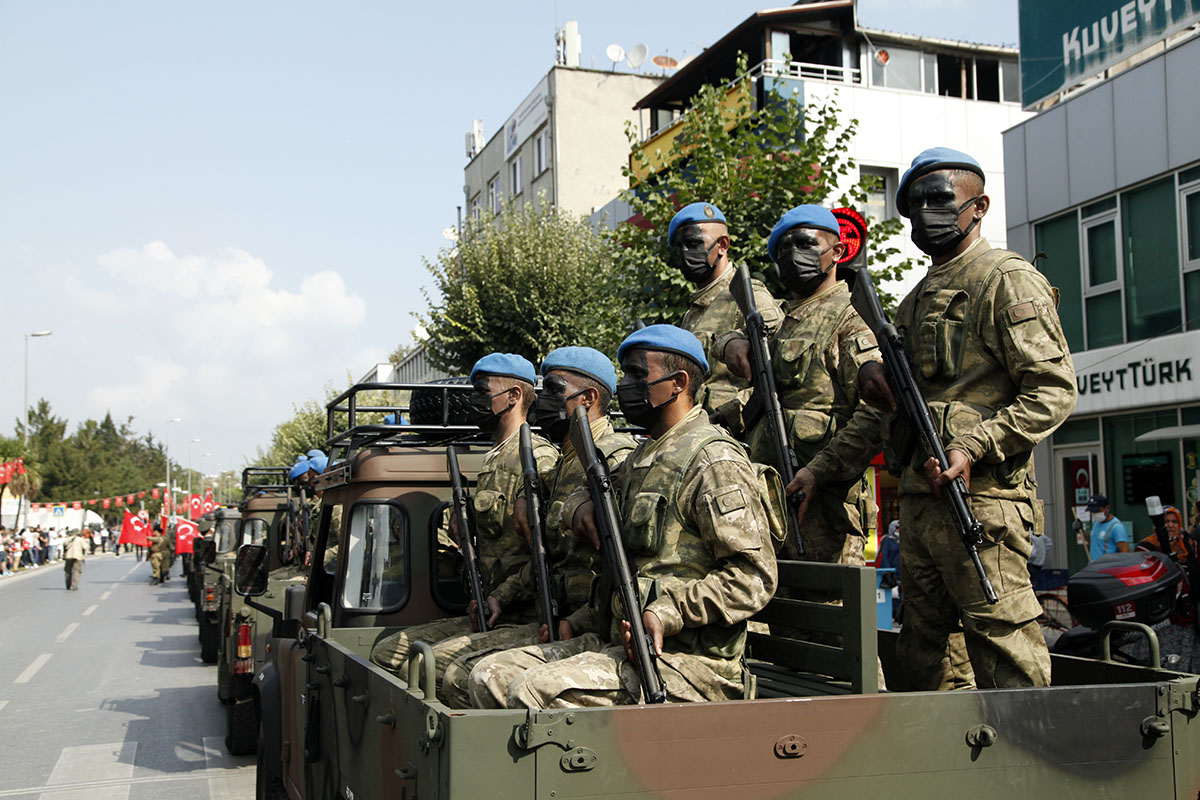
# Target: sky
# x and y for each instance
(219, 208)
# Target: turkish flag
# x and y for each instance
(77, 505)
(164, 522)
(92, 502)
(106, 502)
(20, 466)
(129, 499)
(5, 472)
(34, 506)
(185, 532)
(141, 495)
(154, 493)
(208, 505)
(118, 501)
(133, 530)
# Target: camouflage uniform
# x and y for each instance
(714, 312)
(158, 556)
(816, 355)
(991, 358)
(572, 564)
(695, 529)
(502, 552)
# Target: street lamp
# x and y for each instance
(167, 451)
(25, 432)
(192, 442)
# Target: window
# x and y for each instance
(514, 175)
(1100, 257)
(987, 79)
(1189, 209)
(1058, 240)
(541, 152)
(477, 207)
(493, 194)
(1150, 236)
(376, 558)
(254, 531)
(448, 590)
(900, 70)
(224, 536)
(954, 77)
(1010, 81)
(881, 199)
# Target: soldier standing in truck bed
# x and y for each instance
(503, 393)
(990, 356)
(699, 240)
(706, 563)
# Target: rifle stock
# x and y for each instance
(466, 538)
(914, 412)
(608, 524)
(547, 606)
(763, 379)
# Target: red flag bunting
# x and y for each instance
(20, 466)
(92, 502)
(141, 495)
(106, 502)
(133, 530)
(118, 501)
(77, 505)
(154, 493)
(35, 506)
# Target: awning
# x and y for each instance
(1174, 432)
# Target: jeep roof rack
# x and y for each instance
(264, 479)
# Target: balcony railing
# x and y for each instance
(778, 68)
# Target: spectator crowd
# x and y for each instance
(32, 548)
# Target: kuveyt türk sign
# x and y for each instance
(1162, 371)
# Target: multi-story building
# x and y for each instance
(1104, 190)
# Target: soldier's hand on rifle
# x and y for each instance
(452, 530)
(565, 631)
(737, 358)
(584, 524)
(494, 609)
(653, 626)
(521, 519)
(806, 482)
(873, 386)
(960, 467)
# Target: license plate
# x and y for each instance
(1124, 611)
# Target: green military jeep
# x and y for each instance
(215, 562)
(334, 724)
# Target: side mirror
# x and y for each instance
(250, 570)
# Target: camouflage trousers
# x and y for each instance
(951, 637)
(392, 652)
(157, 562)
(454, 689)
(588, 672)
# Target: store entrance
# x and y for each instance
(1079, 475)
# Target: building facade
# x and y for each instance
(1103, 189)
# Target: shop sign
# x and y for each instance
(1156, 372)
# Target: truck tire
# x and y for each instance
(209, 642)
(268, 785)
(241, 728)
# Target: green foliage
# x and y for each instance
(753, 164)
(307, 427)
(533, 281)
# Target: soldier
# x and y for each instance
(158, 555)
(990, 356)
(695, 526)
(503, 393)
(573, 377)
(816, 354)
(699, 241)
(73, 555)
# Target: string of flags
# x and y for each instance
(135, 529)
(11, 469)
(193, 506)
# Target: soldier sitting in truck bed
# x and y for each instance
(573, 377)
(507, 381)
(695, 525)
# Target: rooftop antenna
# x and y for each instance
(637, 56)
(615, 54)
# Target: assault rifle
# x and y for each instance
(466, 538)
(297, 525)
(608, 525)
(765, 390)
(915, 419)
(547, 606)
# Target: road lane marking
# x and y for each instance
(115, 585)
(69, 789)
(32, 669)
(106, 595)
(62, 637)
(3, 703)
(94, 762)
(90, 609)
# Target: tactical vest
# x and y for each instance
(707, 322)
(963, 382)
(665, 549)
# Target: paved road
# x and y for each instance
(102, 692)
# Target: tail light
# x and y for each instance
(1150, 570)
(245, 649)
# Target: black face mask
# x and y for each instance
(693, 262)
(550, 414)
(480, 410)
(800, 269)
(935, 229)
(634, 399)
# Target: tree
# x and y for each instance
(535, 280)
(753, 164)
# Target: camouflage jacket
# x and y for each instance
(503, 551)
(712, 315)
(572, 563)
(816, 354)
(990, 356)
(695, 529)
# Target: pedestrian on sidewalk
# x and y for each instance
(74, 555)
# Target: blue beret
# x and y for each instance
(314, 453)
(694, 212)
(802, 216)
(299, 459)
(668, 338)
(509, 365)
(584, 360)
(318, 463)
(932, 160)
(298, 469)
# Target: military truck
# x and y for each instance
(218, 558)
(334, 724)
(270, 514)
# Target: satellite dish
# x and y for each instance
(881, 57)
(615, 53)
(683, 62)
(666, 62)
(637, 56)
